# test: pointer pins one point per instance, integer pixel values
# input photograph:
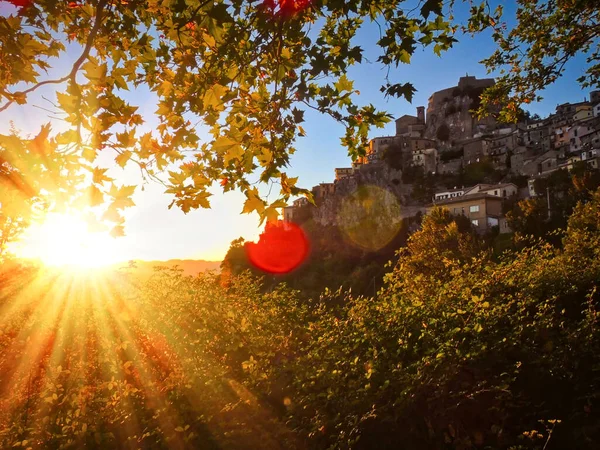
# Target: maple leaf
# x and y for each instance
(122, 158)
(253, 203)
(94, 196)
(228, 148)
(117, 231)
(214, 95)
(99, 177)
(344, 84)
(40, 143)
(112, 215)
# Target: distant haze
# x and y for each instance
(189, 266)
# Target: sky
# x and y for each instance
(157, 233)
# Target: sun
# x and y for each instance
(65, 240)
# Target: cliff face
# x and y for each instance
(448, 116)
(375, 191)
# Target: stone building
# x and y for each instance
(451, 108)
(343, 172)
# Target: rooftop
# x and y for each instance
(469, 198)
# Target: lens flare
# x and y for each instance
(370, 217)
(281, 248)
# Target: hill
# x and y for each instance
(189, 266)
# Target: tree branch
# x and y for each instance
(84, 55)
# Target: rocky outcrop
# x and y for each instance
(390, 195)
(448, 116)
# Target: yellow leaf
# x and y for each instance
(228, 148)
(285, 53)
(112, 215)
(117, 231)
(271, 214)
(214, 95)
(94, 71)
(94, 196)
(122, 158)
(99, 177)
(89, 154)
(68, 137)
(67, 102)
(210, 41)
(253, 203)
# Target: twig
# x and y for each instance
(84, 55)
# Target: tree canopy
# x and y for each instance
(247, 72)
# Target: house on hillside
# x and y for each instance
(502, 190)
(426, 158)
(449, 194)
(483, 210)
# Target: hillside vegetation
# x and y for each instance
(456, 350)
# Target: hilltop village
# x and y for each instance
(445, 156)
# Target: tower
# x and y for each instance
(421, 114)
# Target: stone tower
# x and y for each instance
(421, 114)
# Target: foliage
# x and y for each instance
(423, 187)
(456, 351)
(246, 71)
(560, 191)
(534, 53)
(156, 365)
(490, 354)
(480, 172)
(395, 157)
(529, 217)
(32, 178)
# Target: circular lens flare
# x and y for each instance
(281, 248)
(370, 218)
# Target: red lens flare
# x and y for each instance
(286, 8)
(282, 247)
(19, 3)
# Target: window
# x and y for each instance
(496, 192)
(475, 222)
(474, 208)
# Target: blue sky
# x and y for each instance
(154, 232)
